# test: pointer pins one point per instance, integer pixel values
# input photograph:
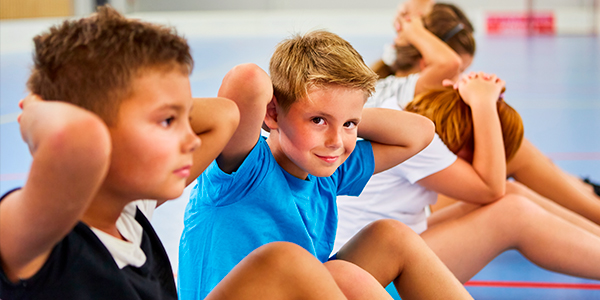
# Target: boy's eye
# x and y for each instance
(350, 124)
(318, 120)
(167, 122)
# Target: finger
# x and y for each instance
(465, 78)
(447, 82)
(502, 83)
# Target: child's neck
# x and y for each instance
(103, 214)
(281, 158)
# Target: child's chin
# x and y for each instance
(324, 173)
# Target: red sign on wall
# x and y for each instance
(524, 23)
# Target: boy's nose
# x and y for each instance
(334, 139)
(192, 141)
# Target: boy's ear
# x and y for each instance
(271, 116)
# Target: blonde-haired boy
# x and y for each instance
(283, 188)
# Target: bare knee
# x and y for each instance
(388, 237)
(281, 256)
(514, 211)
(390, 230)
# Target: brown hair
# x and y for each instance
(314, 60)
(454, 123)
(442, 19)
(91, 62)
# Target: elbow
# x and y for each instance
(84, 140)
(428, 131)
(451, 67)
(230, 115)
(493, 195)
(251, 79)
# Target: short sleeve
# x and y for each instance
(434, 158)
(217, 188)
(407, 94)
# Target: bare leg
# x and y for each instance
(582, 186)
(355, 282)
(568, 215)
(533, 169)
(278, 271)
(452, 211)
(468, 243)
(391, 251)
(442, 201)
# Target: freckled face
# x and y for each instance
(319, 132)
(152, 139)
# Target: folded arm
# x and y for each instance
(395, 135)
(214, 120)
(484, 179)
(251, 89)
(71, 152)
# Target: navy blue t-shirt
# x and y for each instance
(81, 267)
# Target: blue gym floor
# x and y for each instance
(553, 81)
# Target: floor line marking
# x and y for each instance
(574, 155)
(524, 284)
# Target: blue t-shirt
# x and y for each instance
(230, 215)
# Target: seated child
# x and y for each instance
(477, 135)
(421, 59)
(283, 188)
(118, 132)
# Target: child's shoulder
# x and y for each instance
(86, 254)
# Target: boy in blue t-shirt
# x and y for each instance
(283, 188)
(118, 131)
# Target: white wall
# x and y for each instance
(571, 16)
(186, 5)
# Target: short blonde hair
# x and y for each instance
(314, 60)
(454, 122)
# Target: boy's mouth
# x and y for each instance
(183, 172)
(328, 159)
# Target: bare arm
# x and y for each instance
(461, 181)
(71, 149)
(214, 120)
(439, 60)
(251, 89)
(395, 135)
(535, 170)
(412, 7)
(483, 181)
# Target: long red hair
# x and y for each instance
(454, 123)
